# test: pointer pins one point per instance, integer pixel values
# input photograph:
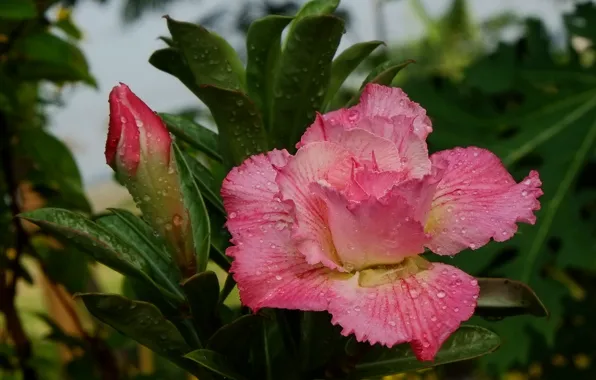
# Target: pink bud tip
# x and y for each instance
(130, 118)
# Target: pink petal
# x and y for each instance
(476, 200)
(393, 141)
(269, 271)
(364, 145)
(388, 102)
(315, 162)
(371, 232)
(423, 309)
(250, 193)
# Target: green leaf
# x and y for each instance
(466, 343)
(141, 236)
(317, 8)
(74, 276)
(241, 132)
(233, 340)
(209, 187)
(95, 240)
(18, 9)
(382, 74)
(198, 136)
(46, 56)
(215, 363)
(68, 27)
(142, 322)
(320, 340)
(303, 76)
(193, 201)
(202, 292)
(170, 61)
(54, 172)
(210, 58)
(345, 64)
(263, 44)
(501, 297)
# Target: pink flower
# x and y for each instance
(138, 148)
(340, 225)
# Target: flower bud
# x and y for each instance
(139, 150)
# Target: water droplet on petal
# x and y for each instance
(391, 323)
(456, 309)
(474, 282)
(278, 278)
(524, 193)
(433, 318)
(441, 294)
(233, 215)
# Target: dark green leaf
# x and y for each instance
(46, 56)
(68, 27)
(194, 134)
(263, 44)
(209, 187)
(202, 292)
(139, 234)
(170, 61)
(241, 132)
(382, 74)
(54, 172)
(466, 343)
(501, 297)
(193, 200)
(97, 241)
(344, 64)
(74, 276)
(233, 340)
(319, 339)
(317, 8)
(17, 9)
(210, 58)
(215, 363)
(142, 322)
(303, 76)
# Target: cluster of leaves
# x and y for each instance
(535, 107)
(269, 103)
(39, 54)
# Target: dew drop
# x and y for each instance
(433, 318)
(233, 215)
(146, 198)
(177, 220)
(168, 226)
(441, 294)
(524, 193)
(456, 309)
(123, 119)
(278, 278)
(356, 308)
(391, 323)
(474, 282)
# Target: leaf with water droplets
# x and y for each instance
(104, 246)
(317, 8)
(467, 342)
(215, 362)
(208, 185)
(198, 136)
(142, 322)
(502, 297)
(263, 44)
(382, 74)
(137, 233)
(170, 61)
(240, 126)
(303, 76)
(202, 292)
(210, 58)
(193, 201)
(344, 64)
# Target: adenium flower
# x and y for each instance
(138, 148)
(340, 225)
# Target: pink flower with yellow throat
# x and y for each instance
(340, 225)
